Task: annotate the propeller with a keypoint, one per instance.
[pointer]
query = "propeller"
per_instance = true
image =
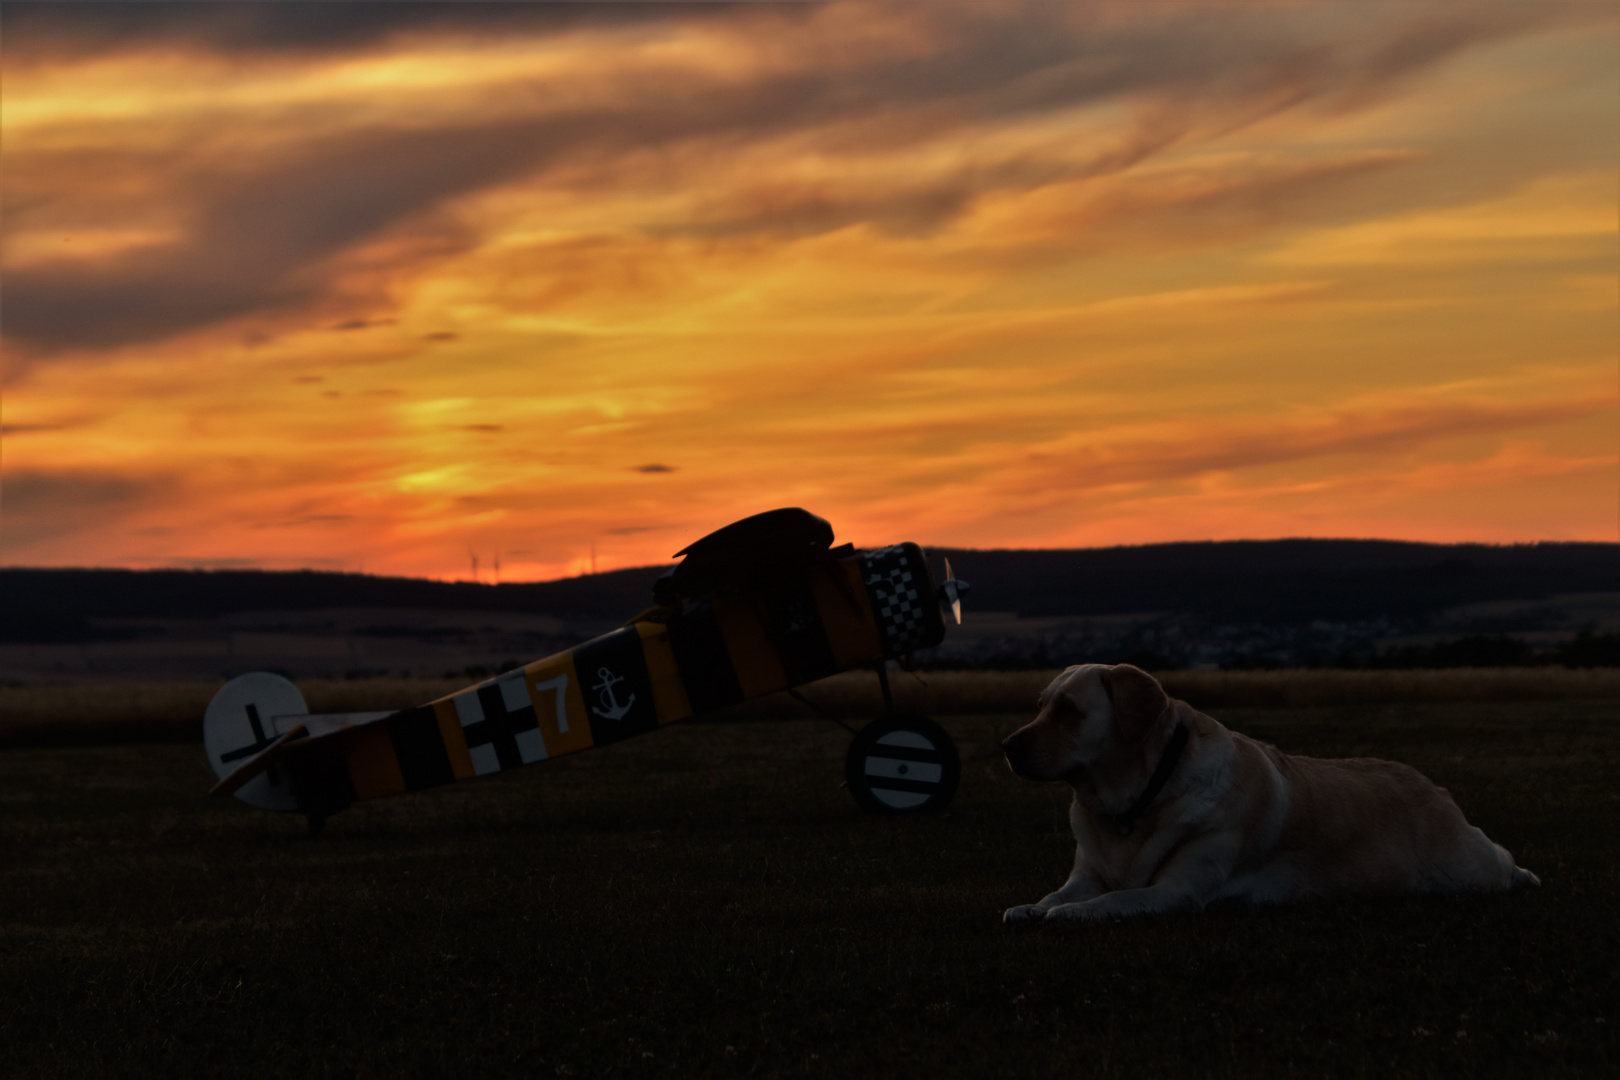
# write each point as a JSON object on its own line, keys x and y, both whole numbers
{"x": 952, "y": 592}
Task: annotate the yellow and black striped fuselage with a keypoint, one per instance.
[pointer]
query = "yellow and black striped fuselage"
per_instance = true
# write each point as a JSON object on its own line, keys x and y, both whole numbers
{"x": 665, "y": 666}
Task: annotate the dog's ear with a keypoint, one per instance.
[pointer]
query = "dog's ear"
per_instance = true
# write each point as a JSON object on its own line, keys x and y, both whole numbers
{"x": 1137, "y": 697}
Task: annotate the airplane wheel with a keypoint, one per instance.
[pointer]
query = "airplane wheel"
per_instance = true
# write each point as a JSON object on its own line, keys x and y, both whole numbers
{"x": 902, "y": 764}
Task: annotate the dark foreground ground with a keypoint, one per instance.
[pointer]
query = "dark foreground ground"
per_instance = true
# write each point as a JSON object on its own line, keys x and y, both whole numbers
{"x": 706, "y": 901}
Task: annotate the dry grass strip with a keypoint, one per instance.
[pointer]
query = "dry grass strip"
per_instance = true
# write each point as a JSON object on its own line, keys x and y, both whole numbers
{"x": 98, "y": 712}
{"x": 943, "y": 693}
{"x": 172, "y": 711}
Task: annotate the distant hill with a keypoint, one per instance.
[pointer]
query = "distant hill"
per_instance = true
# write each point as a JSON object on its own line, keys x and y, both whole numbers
{"x": 1282, "y": 580}
{"x": 1270, "y": 581}
{"x": 60, "y": 605}
{"x": 1291, "y": 603}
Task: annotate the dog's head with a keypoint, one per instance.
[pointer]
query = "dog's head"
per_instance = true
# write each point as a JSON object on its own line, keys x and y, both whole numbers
{"x": 1088, "y": 713}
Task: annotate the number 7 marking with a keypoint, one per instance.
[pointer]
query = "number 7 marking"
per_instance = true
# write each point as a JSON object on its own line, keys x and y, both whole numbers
{"x": 560, "y": 685}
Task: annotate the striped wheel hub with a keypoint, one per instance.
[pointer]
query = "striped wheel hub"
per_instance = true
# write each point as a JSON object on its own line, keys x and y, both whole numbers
{"x": 902, "y": 765}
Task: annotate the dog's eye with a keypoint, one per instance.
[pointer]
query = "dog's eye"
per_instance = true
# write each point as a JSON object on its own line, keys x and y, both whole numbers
{"x": 1067, "y": 713}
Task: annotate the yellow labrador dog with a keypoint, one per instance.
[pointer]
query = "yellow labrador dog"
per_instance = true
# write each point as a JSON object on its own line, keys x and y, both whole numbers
{"x": 1172, "y": 811}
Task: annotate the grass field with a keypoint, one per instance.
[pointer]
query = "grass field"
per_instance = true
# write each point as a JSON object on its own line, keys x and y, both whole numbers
{"x": 706, "y": 901}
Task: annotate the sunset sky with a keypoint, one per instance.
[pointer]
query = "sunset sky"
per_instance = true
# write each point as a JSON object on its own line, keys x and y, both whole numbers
{"x": 377, "y": 287}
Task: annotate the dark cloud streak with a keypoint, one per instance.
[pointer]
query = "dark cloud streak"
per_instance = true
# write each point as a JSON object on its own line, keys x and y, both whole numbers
{"x": 40, "y": 504}
{"x": 256, "y": 242}
{"x": 1220, "y": 448}
{"x": 269, "y": 240}
{"x": 58, "y": 31}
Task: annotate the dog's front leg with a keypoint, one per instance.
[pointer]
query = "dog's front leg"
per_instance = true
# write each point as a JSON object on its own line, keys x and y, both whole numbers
{"x": 1082, "y": 885}
{"x": 1153, "y": 900}
{"x": 1187, "y": 883}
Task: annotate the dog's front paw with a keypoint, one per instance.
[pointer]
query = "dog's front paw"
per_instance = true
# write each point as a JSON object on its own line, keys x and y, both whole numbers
{"x": 1023, "y": 913}
{"x": 1068, "y": 911}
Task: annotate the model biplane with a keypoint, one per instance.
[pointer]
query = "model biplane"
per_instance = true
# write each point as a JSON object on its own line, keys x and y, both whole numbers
{"x": 765, "y": 604}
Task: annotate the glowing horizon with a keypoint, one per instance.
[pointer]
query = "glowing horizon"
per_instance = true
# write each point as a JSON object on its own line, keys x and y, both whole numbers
{"x": 375, "y": 290}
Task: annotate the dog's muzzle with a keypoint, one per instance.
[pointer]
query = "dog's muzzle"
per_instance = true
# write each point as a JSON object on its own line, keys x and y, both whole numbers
{"x": 1023, "y": 752}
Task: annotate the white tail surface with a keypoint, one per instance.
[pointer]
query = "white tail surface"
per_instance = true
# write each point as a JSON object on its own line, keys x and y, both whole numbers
{"x": 246, "y": 715}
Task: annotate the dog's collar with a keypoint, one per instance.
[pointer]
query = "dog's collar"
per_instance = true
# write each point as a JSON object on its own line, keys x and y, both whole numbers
{"x": 1125, "y": 822}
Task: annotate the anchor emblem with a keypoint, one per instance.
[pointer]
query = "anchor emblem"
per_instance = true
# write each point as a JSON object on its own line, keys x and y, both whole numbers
{"x": 608, "y": 695}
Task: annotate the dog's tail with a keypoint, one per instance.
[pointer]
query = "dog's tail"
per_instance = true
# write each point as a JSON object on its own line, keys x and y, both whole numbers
{"x": 1523, "y": 879}
{"x": 1517, "y": 876}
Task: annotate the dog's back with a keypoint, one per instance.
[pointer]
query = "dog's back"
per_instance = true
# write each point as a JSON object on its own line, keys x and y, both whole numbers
{"x": 1364, "y": 825}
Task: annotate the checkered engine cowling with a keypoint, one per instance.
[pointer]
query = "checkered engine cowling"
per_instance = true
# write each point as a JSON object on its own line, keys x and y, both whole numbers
{"x": 903, "y": 596}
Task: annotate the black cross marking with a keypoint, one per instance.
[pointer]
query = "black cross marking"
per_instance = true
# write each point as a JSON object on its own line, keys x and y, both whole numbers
{"x": 500, "y": 728}
{"x": 259, "y": 739}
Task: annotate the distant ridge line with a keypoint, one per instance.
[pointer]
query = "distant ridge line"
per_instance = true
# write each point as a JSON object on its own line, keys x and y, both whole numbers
{"x": 1286, "y": 580}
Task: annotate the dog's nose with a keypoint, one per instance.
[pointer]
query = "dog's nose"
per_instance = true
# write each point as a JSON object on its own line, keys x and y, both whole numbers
{"x": 1013, "y": 747}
